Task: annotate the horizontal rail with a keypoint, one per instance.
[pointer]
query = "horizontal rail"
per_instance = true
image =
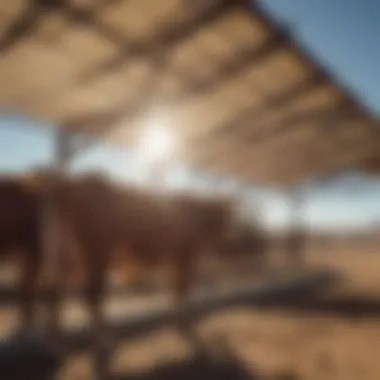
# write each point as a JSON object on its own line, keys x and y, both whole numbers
{"x": 158, "y": 316}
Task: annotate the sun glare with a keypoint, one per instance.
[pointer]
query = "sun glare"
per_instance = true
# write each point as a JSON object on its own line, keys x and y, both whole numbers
{"x": 157, "y": 144}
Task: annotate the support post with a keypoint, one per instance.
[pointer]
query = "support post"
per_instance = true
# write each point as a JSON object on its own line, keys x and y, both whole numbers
{"x": 297, "y": 235}
{"x": 158, "y": 170}
{"x": 63, "y": 148}
{"x": 157, "y": 174}
{"x": 51, "y": 230}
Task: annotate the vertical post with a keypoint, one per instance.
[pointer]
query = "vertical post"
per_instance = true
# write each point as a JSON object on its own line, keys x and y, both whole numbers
{"x": 297, "y": 239}
{"x": 51, "y": 232}
{"x": 156, "y": 174}
{"x": 63, "y": 148}
{"x": 240, "y": 194}
{"x": 60, "y": 161}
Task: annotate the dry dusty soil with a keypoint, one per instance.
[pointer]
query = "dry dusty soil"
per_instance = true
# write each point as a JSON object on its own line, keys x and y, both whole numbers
{"x": 277, "y": 344}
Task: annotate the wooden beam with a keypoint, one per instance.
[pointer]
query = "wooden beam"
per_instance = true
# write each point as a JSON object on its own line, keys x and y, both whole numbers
{"x": 346, "y": 160}
{"x": 250, "y": 114}
{"x": 30, "y": 18}
{"x": 104, "y": 122}
{"x": 247, "y": 59}
{"x": 164, "y": 40}
{"x": 271, "y": 169}
{"x": 195, "y": 87}
{"x": 266, "y": 136}
{"x": 336, "y": 142}
{"x": 192, "y": 88}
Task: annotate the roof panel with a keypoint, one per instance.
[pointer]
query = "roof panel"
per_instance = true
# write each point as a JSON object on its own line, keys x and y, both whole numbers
{"x": 279, "y": 70}
{"x": 236, "y": 90}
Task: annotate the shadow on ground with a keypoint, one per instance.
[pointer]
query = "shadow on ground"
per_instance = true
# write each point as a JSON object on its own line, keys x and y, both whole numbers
{"x": 28, "y": 357}
{"x": 347, "y": 306}
{"x": 135, "y": 325}
{"x": 194, "y": 368}
{"x": 217, "y": 362}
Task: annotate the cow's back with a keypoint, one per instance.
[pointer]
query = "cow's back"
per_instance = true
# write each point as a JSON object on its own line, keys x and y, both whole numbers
{"x": 18, "y": 214}
{"x": 99, "y": 209}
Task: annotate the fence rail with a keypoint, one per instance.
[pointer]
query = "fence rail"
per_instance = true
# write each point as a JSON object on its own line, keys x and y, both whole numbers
{"x": 157, "y": 316}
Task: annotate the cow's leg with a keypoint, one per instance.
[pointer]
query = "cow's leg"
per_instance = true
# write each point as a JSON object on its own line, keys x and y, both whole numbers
{"x": 29, "y": 273}
{"x": 55, "y": 285}
{"x": 53, "y": 302}
{"x": 183, "y": 271}
{"x": 182, "y": 274}
{"x": 95, "y": 295}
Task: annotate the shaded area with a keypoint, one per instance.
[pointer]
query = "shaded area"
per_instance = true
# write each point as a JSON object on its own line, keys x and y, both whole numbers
{"x": 228, "y": 367}
{"x": 351, "y": 307}
{"x": 218, "y": 362}
{"x": 26, "y": 357}
{"x": 301, "y": 294}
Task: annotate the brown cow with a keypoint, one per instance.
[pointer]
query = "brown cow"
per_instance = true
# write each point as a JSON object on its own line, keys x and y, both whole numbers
{"x": 249, "y": 238}
{"x": 151, "y": 228}
{"x": 170, "y": 230}
{"x": 295, "y": 244}
{"x": 19, "y": 224}
{"x": 21, "y": 202}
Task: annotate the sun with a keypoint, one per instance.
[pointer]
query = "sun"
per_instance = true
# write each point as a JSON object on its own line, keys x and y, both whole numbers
{"x": 156, "y": 144}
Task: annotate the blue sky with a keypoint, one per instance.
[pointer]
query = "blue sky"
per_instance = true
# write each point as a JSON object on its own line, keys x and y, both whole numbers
{"x": 340, "y": 34}
{"x": 343, "y": 34}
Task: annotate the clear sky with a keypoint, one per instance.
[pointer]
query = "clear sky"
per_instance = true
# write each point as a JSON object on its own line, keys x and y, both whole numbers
{"x": 342, "y": 34}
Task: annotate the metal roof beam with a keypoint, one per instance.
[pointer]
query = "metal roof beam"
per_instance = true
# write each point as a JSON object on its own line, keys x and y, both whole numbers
{"x": 165, "y": 39}
{"x": 246, "y": 59}
{"x": 272, "y": 163}
{"x": 250, "y": 113}
{"x": 262, "y": 135}
{"x": 35, "y": 11}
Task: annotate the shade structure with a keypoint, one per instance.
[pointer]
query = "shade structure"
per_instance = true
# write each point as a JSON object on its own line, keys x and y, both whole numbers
{"x": 237, "y": 93}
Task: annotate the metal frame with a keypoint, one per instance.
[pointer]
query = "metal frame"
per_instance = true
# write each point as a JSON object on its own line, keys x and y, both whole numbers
{"x": 158, "y": 48}
{"x": 297, "y": 251}
{"x": 51, "y": 226}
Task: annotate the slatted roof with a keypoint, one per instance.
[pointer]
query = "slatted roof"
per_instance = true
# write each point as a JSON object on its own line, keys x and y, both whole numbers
{"x": 234, "y": 89}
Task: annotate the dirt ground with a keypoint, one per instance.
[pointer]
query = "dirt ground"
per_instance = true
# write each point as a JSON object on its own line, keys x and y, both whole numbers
{"x": 279, "y": 345}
